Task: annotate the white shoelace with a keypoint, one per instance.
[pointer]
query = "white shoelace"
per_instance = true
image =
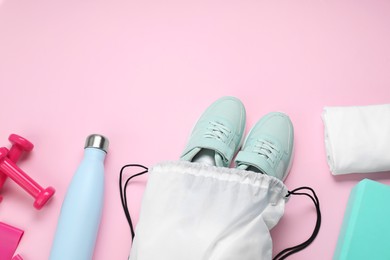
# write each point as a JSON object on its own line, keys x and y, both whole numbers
{"x": 267, "y": 149}
{"x": 217, "y": 130}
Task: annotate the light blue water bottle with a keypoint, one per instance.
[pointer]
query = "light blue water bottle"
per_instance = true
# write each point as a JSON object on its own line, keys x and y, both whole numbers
{"x": 81, "y": 210}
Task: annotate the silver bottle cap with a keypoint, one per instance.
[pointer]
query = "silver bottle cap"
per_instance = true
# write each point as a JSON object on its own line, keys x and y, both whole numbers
{"x": 97, "y": 141}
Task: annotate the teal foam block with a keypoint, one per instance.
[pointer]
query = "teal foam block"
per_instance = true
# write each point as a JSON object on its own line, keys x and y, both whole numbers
{"x": 365, "y": 232}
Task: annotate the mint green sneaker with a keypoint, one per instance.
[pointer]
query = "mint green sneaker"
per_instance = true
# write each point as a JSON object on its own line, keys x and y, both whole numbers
{"x": 218, "y": 133}
{"x": 269, "y": 146}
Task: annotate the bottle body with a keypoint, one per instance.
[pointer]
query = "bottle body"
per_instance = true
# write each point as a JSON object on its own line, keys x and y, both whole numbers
{"x": 80, "y": 216}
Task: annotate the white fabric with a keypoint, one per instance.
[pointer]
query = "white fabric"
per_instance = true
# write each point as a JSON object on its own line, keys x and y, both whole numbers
{"x": 357, "y": 139}
{"x": 193, "y": 212}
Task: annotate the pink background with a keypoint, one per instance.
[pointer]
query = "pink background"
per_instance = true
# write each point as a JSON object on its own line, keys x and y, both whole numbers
{"x": 142, "y": 72}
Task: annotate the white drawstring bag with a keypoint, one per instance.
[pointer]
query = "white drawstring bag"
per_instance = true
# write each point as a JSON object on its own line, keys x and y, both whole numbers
{"x": 192, "y": 212}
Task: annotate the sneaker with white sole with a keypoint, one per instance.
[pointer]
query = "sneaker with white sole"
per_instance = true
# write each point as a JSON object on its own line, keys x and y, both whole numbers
{"x": 269, "y": 146}
{"x": 217, "y": 134}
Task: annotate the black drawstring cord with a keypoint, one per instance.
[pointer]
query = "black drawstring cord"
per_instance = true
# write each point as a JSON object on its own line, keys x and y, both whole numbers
{"x": 122, "y": 190}
{"x": 292, "y": 250}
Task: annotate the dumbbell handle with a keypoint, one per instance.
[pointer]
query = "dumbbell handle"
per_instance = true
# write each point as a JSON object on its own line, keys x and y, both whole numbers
{"x": 10, "y": 169}
{"x": 14, "y": 154}
{"x": 20, "y": 177}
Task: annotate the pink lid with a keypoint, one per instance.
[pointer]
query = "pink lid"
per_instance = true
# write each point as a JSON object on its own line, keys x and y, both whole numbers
{"x": 10, "y": 238}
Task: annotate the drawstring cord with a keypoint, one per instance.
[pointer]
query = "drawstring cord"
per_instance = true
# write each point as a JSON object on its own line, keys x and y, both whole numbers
{"x": 292, "y": 250}
{"x": 282, "y": 255}
{"x": 122, "y": 189}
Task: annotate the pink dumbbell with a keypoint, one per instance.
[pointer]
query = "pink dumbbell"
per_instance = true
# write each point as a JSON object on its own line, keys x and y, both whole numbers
{"x": 9, "y": 168}
{"x": 19, "y": 145}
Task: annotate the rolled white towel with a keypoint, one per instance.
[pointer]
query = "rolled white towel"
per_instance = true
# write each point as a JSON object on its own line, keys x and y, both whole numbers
{"x": 357, "y": 138}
